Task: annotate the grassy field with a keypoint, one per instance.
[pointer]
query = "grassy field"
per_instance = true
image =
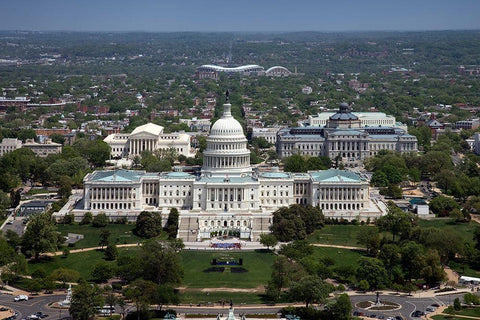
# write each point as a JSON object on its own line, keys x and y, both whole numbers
{"x": 195, "y": 263}
{"x": 342, "y": 235}
{"x": 342, "y": 257}
{"x": 83, "y": 262}
{"x": 119, "y": 234}
{"x": 470, "y": 312}
{"x": 464, "y": 269}
{"x": 464, "y": 229}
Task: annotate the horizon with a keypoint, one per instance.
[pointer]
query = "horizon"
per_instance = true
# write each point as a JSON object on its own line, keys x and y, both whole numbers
{"x": 246, "y": 16}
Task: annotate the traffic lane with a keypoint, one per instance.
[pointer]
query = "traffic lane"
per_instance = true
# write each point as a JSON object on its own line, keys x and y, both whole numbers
{"x": 17, "y": 226}
{"x": 37, "y": 304}
{"x": 404, "y": 311}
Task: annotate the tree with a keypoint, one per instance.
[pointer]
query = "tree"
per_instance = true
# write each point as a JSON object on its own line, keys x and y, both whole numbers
{"x": 142, "y": 293}
{"x": 342, "y": 308}
{"x": 442, "y": 205}
{"x": 413, "y": 259}
{"x": 457, "y": 305}
{"x": 363, "y": 285}
{"x": 96, "y": 151}
{"x": 433, "y": 272}
{"x": 471, "y": 298}
{"x": 390, "y": 255}
{"x": 310, "y": 289}
{"x": 370, "y": 238}
{"x": 285, "y": 272}
{"x": 166, "y": 295}
{"x": 160, "y": 263}
{"x": 318, "y": 163}
{"x": 457, "y": 215}
{"x": 295, "y": 222}
{"x": 100, "y": 220}
{"x": 149, "y": 224}
{"x": 296, "y": 250}
{"x": 65, "y": 275}
{"x": 172, "y": 223}
{"x": 40, "y": 236}
{"x": 129, "y": 268}
{"x": 268, "y": 240}
{"x": 104, "y": 235}
{"x": 373, "y": 271}
{"x": 111, "y": 252}
{"x": 295, "y": 163}
{"x": 87, "y": 218}
{"x": 396, "y": 221}
{"x": 65, "y": 186}
{"x": 86, "y": 299}
{"x": 102, "y": 272}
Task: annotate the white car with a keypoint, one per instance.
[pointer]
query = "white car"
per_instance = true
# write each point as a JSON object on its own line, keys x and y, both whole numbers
{"x": 21, "y": 297}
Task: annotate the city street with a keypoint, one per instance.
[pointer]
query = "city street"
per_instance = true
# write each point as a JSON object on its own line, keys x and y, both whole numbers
{"x": 35, "y": 304}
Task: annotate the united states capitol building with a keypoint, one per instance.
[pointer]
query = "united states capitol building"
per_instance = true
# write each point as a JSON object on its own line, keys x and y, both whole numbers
{"x": 228, "y": 194}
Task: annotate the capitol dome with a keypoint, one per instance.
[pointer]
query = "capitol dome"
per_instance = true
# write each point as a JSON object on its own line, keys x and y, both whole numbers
{"x": 226, "y": 153}
{"x": 227, "y": 125}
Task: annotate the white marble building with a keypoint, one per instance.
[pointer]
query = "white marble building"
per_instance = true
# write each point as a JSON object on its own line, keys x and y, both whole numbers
{"x": 148, "y": 137}
{"x": 227, "y": 195}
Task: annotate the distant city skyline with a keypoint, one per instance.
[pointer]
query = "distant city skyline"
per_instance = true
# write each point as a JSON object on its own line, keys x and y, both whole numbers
{"x": 244, "y": 15}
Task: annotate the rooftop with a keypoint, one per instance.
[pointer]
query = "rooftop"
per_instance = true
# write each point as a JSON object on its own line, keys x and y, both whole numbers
{"x": 334, "y": 175}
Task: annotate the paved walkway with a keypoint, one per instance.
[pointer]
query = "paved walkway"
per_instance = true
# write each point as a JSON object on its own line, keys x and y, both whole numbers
{"x": 337, "y": 246}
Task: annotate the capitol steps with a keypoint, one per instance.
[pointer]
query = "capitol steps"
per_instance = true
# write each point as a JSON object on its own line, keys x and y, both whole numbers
{"x": 185, "y": 227}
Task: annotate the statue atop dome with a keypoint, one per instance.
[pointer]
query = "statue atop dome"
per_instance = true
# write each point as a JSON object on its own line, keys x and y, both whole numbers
{"x": 227, "y": 94}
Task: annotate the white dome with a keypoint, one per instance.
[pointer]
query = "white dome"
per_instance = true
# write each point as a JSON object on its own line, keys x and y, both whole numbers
{"x": 226, "y": 153}
{"x": 226, "y": 125}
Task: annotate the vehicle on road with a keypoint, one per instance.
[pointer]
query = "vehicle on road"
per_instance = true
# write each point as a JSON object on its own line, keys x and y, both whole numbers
{"x": 418, "y": 314}
{"x": 10, "y": 222}
{"x": 20, "y": 297}
{"x": 40, "y": 314}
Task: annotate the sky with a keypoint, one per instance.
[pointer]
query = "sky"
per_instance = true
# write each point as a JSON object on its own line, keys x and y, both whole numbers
{"x": 239, "y": 15}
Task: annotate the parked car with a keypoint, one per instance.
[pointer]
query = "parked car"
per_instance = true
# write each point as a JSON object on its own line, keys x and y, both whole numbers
{"x": 20, "y": 297}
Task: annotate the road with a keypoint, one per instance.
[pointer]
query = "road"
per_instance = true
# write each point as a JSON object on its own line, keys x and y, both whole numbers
{"x": 408, "y": 303}
{"x": 17, "y": 225}
{"x": 35, "y": 304}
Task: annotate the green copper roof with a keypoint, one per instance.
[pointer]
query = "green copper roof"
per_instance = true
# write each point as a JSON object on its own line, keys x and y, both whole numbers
{"x": 274, "y": 175}
{"x": 178, "y": 175}
{"x": 334, "y": 175}
{"x": 117, "y": 175}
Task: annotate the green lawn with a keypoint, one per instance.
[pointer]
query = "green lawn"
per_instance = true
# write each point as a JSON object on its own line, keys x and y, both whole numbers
{"x": 119, "y": 234}
{"x": 343, "y": 235}
{"x": 83, "y": 262}
{"x": 463, "y": 269}
{"x": 195, "y": 263}
{"x": 471, "y": 312}
{"x": 464, "y": 229}
{"x": 342, "y": 257}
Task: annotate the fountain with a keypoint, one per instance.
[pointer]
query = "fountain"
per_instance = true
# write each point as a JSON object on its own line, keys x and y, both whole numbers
{"x": 68, "y": 298}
